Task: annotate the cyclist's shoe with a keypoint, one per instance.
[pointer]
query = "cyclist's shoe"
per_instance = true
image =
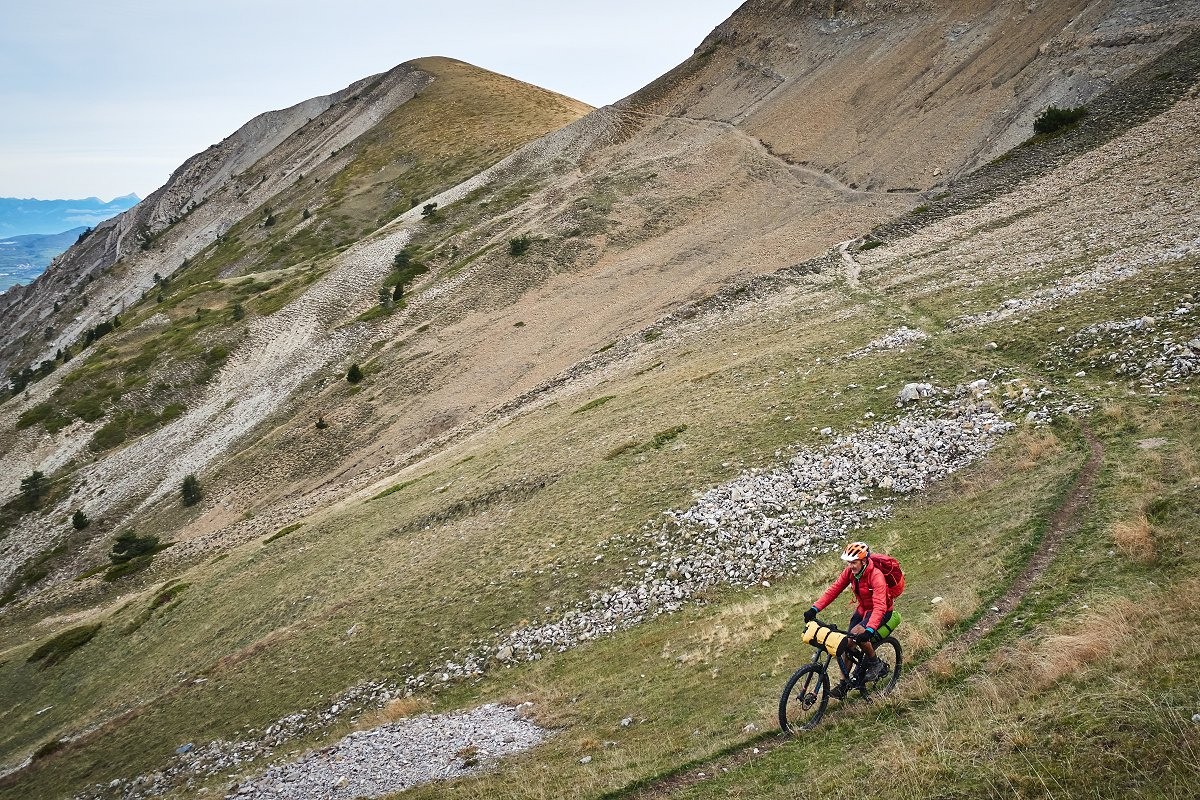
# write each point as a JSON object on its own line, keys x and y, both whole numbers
{"x": 838, "y": 692}
{"x": 874, "y": 669}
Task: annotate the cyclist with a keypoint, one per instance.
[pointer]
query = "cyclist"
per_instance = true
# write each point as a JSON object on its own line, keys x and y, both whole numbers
{"x": 873, "y": 609}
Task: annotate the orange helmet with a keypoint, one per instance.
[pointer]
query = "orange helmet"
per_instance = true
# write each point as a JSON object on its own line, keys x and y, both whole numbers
{"x": 856, "y": 550}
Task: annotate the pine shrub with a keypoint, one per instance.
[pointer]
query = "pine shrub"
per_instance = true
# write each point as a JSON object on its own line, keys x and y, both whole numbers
{"x": 519, "y": 245}
{"x": 1055, "y": 119}
{"x": 190, "y": 490}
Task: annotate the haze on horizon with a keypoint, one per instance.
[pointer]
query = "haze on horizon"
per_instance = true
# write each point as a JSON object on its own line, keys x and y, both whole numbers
{"x": 108, "y": 99}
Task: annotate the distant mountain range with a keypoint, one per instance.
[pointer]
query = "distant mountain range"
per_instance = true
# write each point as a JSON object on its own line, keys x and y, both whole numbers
{"x": 19, "y": 216}
{"x": 23, "y": 258}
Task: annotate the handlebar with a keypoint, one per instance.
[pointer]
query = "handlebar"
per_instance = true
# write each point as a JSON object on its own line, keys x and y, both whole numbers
{"x": 851, "y": 642}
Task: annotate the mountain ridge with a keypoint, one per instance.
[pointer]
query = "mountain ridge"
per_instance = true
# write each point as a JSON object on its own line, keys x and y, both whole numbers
{"x": 664, "y": 298}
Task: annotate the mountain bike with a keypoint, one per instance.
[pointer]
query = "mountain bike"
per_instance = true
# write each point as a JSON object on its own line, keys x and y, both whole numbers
{"x": 807, "y": 692}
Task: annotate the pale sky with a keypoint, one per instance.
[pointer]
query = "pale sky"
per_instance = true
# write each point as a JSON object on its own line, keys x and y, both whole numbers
{"x": 108, "y": 97}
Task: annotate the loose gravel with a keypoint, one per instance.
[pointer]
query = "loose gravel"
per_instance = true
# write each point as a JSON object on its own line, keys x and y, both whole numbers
{"x": 900, "y": 338}
{"x": 400, "y": 755}
{"x": 1151, "y": 352}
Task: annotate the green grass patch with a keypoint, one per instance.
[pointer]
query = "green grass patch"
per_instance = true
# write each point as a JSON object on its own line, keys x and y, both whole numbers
{"x": 599, "y": 401}
{"x": 63, "y": 645}
{"x": 45, "y": 414}
{"x": 398, "y": 487}
{"x": 657, "y": 442}
{"x": 284, "y": 531}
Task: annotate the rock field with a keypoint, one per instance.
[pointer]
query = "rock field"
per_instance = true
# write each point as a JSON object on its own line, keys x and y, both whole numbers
{"x": 394, "y": 757}
{"x": 1151, "y": 351}
{"x": 389, "y": 758}
{"x": 768, "y": 522}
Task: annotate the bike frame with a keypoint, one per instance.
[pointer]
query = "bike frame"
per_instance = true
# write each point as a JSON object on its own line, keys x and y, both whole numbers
{"x": 808, "y": 690}
{"x": 847, "y": 662}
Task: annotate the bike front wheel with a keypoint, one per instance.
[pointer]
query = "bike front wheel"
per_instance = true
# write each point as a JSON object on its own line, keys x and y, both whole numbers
{"x": 804, "y": 699}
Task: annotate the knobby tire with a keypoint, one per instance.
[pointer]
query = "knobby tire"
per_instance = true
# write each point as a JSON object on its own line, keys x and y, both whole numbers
{"x": 888, "y": 650}
{"x": 804, "y": 699}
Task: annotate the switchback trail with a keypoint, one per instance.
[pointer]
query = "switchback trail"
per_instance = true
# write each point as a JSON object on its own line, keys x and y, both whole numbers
{"x": 806, "y": 174}
{"x": 1064, "y": 521}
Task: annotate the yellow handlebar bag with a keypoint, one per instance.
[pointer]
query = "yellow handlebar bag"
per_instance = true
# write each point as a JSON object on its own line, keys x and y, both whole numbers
{"x": 832, "y": 640}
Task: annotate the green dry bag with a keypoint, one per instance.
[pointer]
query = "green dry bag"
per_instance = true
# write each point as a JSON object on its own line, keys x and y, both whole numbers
{"x": 889, "y": 625}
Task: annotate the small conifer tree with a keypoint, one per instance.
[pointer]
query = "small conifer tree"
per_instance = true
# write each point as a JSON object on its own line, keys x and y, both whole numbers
{"x": 519, "y": 245}
{"x": 354, "y": 374}
{"x": 1054, "y": 119}
{"x": 33, "y": 488}
{"x": 190, "y": 491}
{"x": 128, "y": 546}
{"x": 79, "y": 520}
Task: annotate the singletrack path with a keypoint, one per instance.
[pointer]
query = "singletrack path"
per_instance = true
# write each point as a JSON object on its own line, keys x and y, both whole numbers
{"x": 1064, "y": 521}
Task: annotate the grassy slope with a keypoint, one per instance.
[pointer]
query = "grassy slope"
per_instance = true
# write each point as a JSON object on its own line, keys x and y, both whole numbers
{"x": 267, "y": 626}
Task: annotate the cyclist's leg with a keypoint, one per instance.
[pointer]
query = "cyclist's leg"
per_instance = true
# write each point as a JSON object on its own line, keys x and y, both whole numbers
{"x": 874, "y": 667}
{"x": 838, "y": 692}
{"x": 856, "y": 621}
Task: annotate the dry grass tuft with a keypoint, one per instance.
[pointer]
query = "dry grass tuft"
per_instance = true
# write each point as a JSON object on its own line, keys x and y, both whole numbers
{"x": 947, "y": 614}
{"x": 1096, "y": 636}
{"x": 942, "y": 665}
{"x": 918, "y": 639}
{"x": 1135, "y": 538}
{"x": 912, "y": 686}
{"x": 1037, "y": 446}
{"x": 587, "y": 744}
{"x": 396, "y": 710}
{"x": 1113, "y": 411}
{"x": 734, "y": 629}
{"x": 549, "y": 704}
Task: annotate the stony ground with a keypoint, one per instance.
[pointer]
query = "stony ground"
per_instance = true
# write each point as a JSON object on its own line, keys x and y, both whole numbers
{"x": 760, "y": 525}
{"x": 366, "y": 764}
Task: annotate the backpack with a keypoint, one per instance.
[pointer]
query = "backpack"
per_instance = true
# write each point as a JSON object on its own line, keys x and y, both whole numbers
{"x": 892, "y": 574}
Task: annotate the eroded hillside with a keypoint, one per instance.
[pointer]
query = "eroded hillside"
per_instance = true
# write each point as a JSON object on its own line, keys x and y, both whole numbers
{"x": 703, "y": 301}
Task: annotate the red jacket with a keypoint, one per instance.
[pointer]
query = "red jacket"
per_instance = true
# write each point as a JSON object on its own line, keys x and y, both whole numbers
{"x": 872, "y": 585}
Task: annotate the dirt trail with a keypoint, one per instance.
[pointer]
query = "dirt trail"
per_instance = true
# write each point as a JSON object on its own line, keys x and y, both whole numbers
{"x": 1064, "y": 520}
{"x": 853, "y": 268}
{"x": 806, "y": 174}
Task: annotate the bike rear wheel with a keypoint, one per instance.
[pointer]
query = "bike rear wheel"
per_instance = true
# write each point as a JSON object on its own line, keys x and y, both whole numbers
{"x": 804, "y": 699}
{"x": 888, "y": 651}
